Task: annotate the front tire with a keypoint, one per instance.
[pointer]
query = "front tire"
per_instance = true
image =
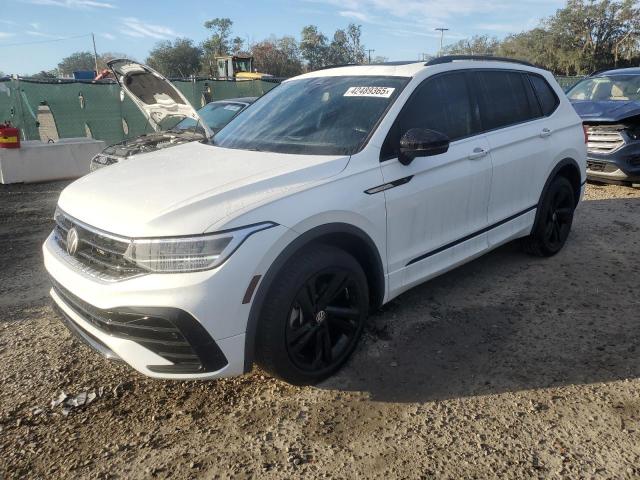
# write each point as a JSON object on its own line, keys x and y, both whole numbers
{"x": 555, "y": 217}
{"x": 313, "y": 316}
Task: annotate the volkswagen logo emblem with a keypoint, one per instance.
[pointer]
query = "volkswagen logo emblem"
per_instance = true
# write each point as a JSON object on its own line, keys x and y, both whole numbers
{"x": 72, "y": 241}
{"x": 321, "y": 316}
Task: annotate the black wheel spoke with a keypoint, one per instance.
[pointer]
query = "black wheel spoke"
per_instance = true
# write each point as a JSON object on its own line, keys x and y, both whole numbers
{"x": 564, "y": 214}
{"x": 299, "y": 333}
{"x": 335, "y": 286}
{"x": 344, "y": 325}
{"x": 317, "y": 359}
{"x": 348, "y": 312}
{"x": 306, "y": 301}
{"x": 326, "y": 345}
{"x": 297, "y": 347}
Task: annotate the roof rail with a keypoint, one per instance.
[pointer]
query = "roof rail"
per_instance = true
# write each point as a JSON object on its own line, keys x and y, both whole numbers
{"x": 392, "y": 63}
{"x": 339, "y": 65}
{"x": 451, "y": 58}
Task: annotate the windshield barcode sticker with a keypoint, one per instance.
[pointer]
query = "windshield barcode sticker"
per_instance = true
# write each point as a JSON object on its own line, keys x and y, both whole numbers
{"x": 379, "y": 92}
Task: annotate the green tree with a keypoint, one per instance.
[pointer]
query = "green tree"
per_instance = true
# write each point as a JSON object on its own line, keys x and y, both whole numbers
{"x": 313, "y": 47}
{"x": 218, "y": 43}
{"x": 178, "y": 59}
{"x": 278, "y": 56}
{"x": 43, "y": 74}
{"x": 476, "y": 45}
{"x": 76, "y": 61}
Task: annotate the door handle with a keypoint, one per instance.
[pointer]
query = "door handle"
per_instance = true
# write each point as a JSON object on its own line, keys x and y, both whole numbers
{"x": 545, "y": 133}
{"x": 478, "y": 153}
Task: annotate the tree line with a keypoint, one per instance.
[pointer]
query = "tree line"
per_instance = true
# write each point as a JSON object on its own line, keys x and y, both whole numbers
{"x": 583, "y": 37}
{"x": 279, "y": 56}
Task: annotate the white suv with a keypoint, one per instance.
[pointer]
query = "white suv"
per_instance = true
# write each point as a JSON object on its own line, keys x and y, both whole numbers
{"x": 328, "y": 197}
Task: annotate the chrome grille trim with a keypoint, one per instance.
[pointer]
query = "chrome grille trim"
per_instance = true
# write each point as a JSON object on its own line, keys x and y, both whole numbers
{"x": 100, "y": 254}
{"x": 604, "y": 139}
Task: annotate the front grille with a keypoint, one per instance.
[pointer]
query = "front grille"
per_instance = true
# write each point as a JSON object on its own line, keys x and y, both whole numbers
{"x": 99, "y": 254}
{"x": 604, "y": 139}
{"x": 155, "y": 333}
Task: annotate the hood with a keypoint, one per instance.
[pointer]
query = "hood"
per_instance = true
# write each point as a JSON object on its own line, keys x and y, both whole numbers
{"x": 187, "y": 189}
{"x": 157, "y": 98}
{"x": 606, "y": 111}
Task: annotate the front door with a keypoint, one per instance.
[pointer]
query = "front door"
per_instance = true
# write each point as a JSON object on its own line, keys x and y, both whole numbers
{"x": 437, "y": 213}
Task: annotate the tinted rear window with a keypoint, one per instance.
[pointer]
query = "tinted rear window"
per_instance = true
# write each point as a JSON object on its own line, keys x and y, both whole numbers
{"x": 504, "y": 99}
{"x": 548, "y": 99}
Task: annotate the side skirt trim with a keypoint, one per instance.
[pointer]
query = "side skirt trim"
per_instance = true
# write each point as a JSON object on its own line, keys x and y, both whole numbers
{"x": 469, "y": 237}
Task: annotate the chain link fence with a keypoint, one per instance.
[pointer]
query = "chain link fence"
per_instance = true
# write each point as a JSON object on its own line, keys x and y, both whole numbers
{"x": 71, "y": 108}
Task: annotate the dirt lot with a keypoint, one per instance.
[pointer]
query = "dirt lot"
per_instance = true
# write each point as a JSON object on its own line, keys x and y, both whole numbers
{"x": 510, "y": 367}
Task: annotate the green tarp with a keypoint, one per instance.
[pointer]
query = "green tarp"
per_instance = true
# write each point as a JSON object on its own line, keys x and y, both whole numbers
{"x": 82, "y": 108}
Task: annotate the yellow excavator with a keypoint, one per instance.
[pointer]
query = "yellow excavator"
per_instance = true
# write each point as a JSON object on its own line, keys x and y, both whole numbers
{"x": 239, "y": 67}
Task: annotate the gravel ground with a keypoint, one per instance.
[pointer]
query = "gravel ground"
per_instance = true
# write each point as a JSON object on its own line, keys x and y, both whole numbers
{"x": 509, "y": 367}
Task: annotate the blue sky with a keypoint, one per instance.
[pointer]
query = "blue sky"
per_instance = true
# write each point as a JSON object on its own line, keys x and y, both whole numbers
{"x": 397, "y": 29}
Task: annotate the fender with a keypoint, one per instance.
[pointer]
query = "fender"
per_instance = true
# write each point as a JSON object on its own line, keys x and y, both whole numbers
{"x": 287, "y": 253}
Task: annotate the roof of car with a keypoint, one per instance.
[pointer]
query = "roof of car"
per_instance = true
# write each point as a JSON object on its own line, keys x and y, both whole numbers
{"x": 618, "y": 71}
{"x": 412, "y": 68}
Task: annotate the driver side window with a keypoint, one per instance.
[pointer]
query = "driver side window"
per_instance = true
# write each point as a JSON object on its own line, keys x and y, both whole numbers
{"x": 442, "y": 103}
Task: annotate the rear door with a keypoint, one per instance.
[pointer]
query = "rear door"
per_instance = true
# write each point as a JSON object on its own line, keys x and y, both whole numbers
{"x": 437, "y": 210}
{"x": 518, "y": 137}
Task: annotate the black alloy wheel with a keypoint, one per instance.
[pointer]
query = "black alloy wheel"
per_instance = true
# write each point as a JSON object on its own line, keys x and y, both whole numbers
{"x": 325, "y": 321}
{"x": 554, "y": 220}
{"x": 313, "y": 315}
{"x": 559, "y": 217}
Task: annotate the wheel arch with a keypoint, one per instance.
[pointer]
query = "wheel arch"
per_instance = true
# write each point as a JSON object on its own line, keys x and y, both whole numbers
{"x": 568, "y": 168}
{"x": 342, "y": 235}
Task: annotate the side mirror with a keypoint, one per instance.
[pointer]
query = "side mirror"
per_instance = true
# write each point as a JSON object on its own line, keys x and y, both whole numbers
{"x": 422, "y": 142}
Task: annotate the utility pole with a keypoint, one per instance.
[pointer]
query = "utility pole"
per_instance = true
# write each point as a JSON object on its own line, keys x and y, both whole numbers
{"x": 369, "y": 52}
{"x": 441, "y": 30}
{"x": 95, "y": 52}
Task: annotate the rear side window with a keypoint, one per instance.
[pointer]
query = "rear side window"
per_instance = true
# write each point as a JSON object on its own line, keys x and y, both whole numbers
{"x": 504, "y": 98}
{"x": 548, "y": 98}
{"x": 442, "y": 103}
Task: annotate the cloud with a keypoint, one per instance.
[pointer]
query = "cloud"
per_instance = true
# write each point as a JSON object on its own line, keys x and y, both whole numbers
{"x": 36, "y": 33}
{"x": 108, "y": 36}
{"x": 73, "y": 4}
{"x": 134, "y": 27}
{"x": 430, "y": 13}
{"x": 6, "y": 34}
{"x": 363, "y": 17}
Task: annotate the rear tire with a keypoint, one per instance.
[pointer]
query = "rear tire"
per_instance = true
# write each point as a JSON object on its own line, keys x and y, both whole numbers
{"x": 313, "y": 316}
{"x": 554, "y": 220}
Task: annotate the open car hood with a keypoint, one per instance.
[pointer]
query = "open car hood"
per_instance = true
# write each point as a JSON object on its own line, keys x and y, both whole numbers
{"x": 156, "y": 97}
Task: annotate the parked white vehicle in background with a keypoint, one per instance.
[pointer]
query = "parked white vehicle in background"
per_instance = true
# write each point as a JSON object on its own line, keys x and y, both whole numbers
{"x": 328, "y": 197}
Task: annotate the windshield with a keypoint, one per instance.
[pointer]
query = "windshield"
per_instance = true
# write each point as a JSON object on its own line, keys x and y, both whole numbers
{"x": 216, "y": 115}
{"x": 313, "y": 116}
{"x": 615, "y": 87}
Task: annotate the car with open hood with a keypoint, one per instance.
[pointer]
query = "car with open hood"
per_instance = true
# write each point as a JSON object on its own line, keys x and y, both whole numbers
{"x": 169, "y": 114}
{"x": 330, "y": 196}
{"x": 609, "y": 104}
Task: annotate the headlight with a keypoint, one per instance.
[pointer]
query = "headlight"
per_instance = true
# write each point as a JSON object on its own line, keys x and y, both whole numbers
{"x": 189, "y": 254}
{"x": 100, "y": 161}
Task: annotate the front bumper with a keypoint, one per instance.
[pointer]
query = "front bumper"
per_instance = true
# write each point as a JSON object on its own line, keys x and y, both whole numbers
{"x": 621, "y": 166}
{"x": 213, "y": 300}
